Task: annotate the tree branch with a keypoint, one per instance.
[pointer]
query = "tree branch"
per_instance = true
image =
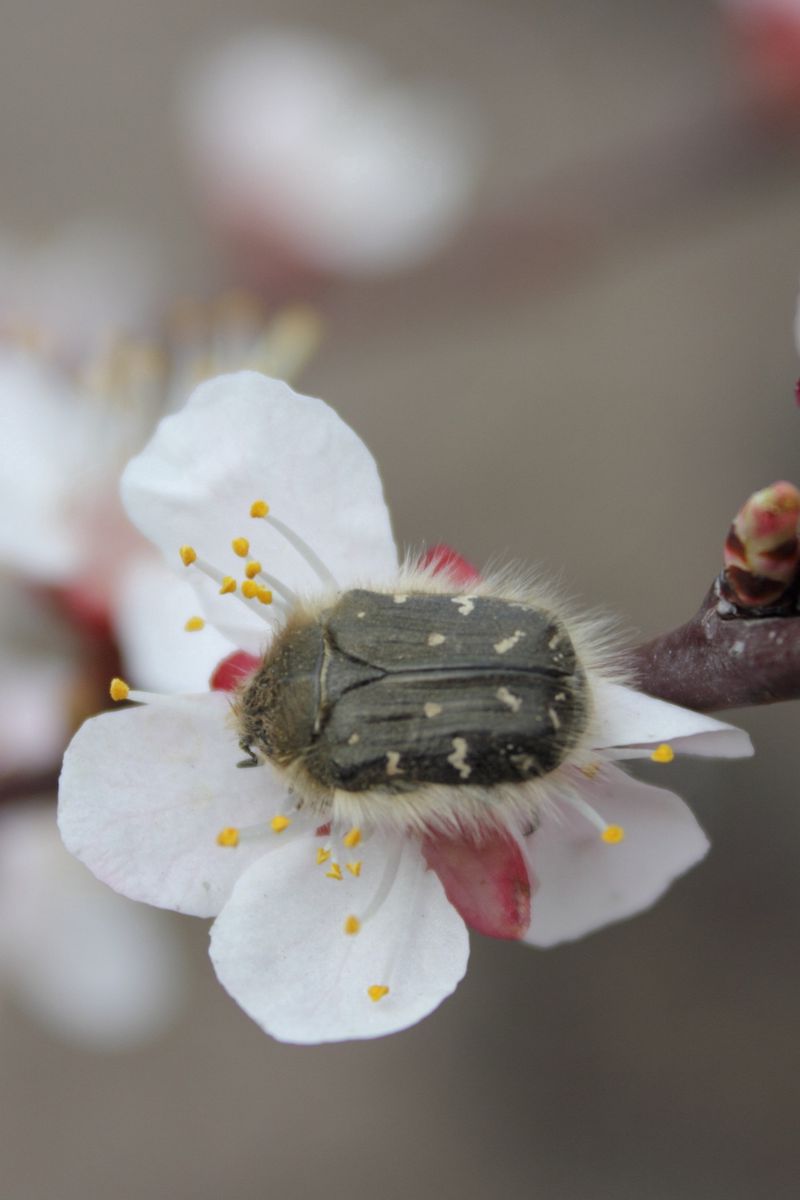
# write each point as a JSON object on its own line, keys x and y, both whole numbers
{"x": 725, "y": 657}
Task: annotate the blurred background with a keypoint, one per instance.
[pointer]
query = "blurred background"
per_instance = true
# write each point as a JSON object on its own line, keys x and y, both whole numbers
{"x": 567, "y": 340}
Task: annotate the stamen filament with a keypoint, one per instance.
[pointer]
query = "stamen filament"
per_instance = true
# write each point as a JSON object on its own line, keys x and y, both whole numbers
{"x": 611, "y": 834}
{"x": 261, "y": 510}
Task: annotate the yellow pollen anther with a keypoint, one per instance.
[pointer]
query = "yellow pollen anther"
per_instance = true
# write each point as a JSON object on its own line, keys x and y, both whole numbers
{"x": 355, "y": 868}
{"x": 252, "y": 569}
{"x": 228, "y": 836}
{"x": 188, "y": 555}
{"x": 663, "y": 754}
{"x": 264, "y": 595}
{"x": 280, "y": 823}
{"x": 377, "y": 992}
{"x": 335, "y": 872}
{"x": 322, "y": 856}
{"x": 194, "y": 624}
{"x": 259, "y": 508}
{"x": 118, "y": 689}
{"x": 240, "y": 546}
{"x": 249, "y": 589}
{"x": 352, "y": 925}
{"x": 352, "y": 838}
{"x": 228, "y": 585}
{"x": 613, "y": 834}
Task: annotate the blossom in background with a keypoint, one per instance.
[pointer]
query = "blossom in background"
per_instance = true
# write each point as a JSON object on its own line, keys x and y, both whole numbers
{"x": 94, "y": 968}
{"x": 73, "y": 294}
{"x": 310, "y": 159}
{"x": 766, "y": 37}
{"x": 79, "y": 393}
{"x": 327, "y": 927}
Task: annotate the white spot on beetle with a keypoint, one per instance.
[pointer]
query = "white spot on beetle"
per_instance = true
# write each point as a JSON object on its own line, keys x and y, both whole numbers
{"x": 554, "y": 720}
{"x": 560, "y": 696}
{"x": 459, "y": 757}
{"x": 554, "y": 640}
{"x": 392, "y": 763}
{"x": 465, "y": 604}
{"x": 509, "y": 643}
{"x": 361, "y": 615}
{"x": 436, "y": 639}
{"x": 432, "y": 710}
{"x": 509, "y": 699}
{"x": 737, "y": 648}
{"x": 351, "y": 741}
{"x": 400, "y": 598}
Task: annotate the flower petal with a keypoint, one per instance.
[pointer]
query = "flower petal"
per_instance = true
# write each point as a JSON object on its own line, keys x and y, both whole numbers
{"x": 145, "y": 791}
{"x": 485, "y": 880}
{"x": 242, "y": 438}
{"x": 629, "y": 718}
{"x": 585, "y": 883}
{"x": 93, "y": 967}
{"x": 151, "y": 607}
{"x": 280, "y": 949}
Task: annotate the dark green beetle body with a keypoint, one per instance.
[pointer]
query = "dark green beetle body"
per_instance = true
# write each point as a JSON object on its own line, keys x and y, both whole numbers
{"x": 392, "y": 692}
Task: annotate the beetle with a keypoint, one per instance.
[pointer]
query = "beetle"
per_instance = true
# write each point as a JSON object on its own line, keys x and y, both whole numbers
{"x": 386, "y": 693}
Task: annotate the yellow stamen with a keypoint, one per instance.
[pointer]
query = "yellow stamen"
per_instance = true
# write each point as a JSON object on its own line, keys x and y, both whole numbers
{"x": 590, "y": 771}
{"x": 228, "y": 585}
{"x": 322, "y": 856}
{"x": 335, "y": 872}
{"x": 264, "y": 595}
{"x": 228, "y": 836}
{"x": 259, "y": 508}
{"x": 240, "y": 546}
{"x": 377, "y": 992}
{"x": 352, "y": 925}
{"x": 280, "y": 823}
{"x": 252, "y": 569}
{"x": 188, "y": 555}
{"x": 118, "y": 689}
{"x": 354, "y": 868}
{"x": 194, "y": 624}
{"x": 613, "y": 834}
{"x": 249, "y": 589}
{"x": 352, "y": 838}
{"x": 663, "y": 754}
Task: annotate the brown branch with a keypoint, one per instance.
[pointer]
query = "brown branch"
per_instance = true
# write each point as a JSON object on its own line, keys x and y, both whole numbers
{"x": 725, "y": 657}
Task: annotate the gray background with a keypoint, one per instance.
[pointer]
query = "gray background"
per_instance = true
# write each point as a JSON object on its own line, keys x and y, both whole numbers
{"x": 605, "y": 421}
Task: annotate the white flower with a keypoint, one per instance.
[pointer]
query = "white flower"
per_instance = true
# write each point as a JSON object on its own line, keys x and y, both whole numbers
{"x": 94, "y": 968}
{"x": 329, "y": 922}
{"x": 72, "y": 294}
{"x": 301, "y": 144}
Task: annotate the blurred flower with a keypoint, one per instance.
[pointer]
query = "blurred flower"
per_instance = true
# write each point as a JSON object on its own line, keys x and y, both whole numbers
{"x": 310, "y": 159}
{"x": 94, "y": 968}
{"x": 73, "y": 293}
{"x": 766, "y": 35}
{"x": 329, "y": 924}
{"x": 79, "y": 587}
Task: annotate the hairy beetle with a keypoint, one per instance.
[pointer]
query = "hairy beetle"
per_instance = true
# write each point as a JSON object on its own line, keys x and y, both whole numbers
{"x": 387, "y": 693}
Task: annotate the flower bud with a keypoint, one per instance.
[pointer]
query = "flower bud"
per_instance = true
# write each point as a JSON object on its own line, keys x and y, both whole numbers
{"x": 761, "y": 550}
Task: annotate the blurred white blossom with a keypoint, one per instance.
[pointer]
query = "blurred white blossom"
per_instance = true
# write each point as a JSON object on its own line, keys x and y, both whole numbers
{"x": 94, "y": 968}
{"x": 303, "y": 146}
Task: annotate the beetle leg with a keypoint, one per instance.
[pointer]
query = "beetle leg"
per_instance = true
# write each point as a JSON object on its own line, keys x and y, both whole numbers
{"x": 251, "y": 760}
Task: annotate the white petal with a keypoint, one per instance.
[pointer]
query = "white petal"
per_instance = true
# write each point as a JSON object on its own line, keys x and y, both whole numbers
{"x": 280, "y": 949}
{"x": 629, "y": 718}
{"x": 151, "y": 607}
{"x": 242, "y": 438}
{"x": 145, "y": 791}
{"x": 95, "y": 968}
{"x": 585, "y": 883}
